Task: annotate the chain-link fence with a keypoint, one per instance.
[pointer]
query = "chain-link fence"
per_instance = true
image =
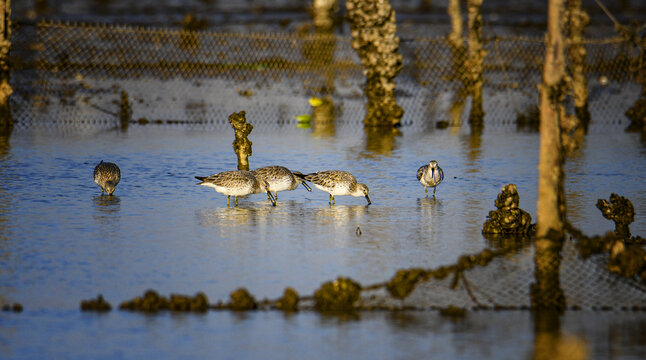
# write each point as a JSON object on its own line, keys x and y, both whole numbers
{"x": 82, "y": 76}
{"x": 76, "y": 74}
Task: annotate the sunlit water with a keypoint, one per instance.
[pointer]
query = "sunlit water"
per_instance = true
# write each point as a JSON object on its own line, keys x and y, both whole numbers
{"x": 62, "y": 242}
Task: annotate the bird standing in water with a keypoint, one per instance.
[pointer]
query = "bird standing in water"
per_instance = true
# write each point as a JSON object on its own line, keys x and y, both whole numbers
{"x": 107, "y": 175}
{"x": 430, "y": 175}
{"x": 236, "y": 183}
{"x": 338, "y": 182}
{"x": 280, "y": 178}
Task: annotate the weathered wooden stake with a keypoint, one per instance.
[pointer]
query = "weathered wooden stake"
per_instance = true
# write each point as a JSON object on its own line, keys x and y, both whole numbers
{"x": 546, "y": 292}
{"x": 5, "y": 46}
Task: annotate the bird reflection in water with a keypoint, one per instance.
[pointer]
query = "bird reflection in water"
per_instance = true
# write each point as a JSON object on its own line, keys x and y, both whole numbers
{"x": 340, "y": 215}
{"x": 107, "y": 204}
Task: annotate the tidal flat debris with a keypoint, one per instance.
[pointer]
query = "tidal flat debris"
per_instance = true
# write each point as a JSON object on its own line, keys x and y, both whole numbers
{"x": 242, "y": 300}
{"x": 99, "y": 304}
{"x": 338, "y": 295}
{"x": 289, "y": 301}
{"x": 16, "y": 307}
{"x": 151, "y": 301}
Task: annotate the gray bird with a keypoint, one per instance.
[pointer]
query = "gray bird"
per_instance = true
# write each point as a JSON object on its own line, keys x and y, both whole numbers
{"x": 430, "y": 175}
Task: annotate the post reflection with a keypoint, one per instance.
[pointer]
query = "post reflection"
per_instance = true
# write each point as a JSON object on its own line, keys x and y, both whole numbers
{"x": 323, "y": 119}
{"x": 380, "y": 140}
{"x": 6, "y": 200}
{"x": 549, "y": 341}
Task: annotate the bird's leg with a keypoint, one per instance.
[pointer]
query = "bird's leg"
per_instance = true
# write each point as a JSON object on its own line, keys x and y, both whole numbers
{"x": 426, "y": 189}
{"x": 236, "y": 200}
{"x": 330, "y": 201}
{"x": 434, "y": 188}
{"x": 276, "y": 195}
{"x": 271, "y": 198}
{"x": 228, "y": 197}
{"x": 102, "y": 192}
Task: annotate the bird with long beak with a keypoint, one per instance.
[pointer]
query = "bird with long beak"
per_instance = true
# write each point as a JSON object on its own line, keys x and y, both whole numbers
{"x": 338, "y": 182}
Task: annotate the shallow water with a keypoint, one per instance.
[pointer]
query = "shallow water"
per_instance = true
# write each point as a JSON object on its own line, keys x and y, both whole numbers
{"x": 63, "y": 242}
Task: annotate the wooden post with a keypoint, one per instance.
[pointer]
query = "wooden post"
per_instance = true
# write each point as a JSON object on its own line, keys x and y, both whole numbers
{"x": 475, "y": 64}
{"x": 5, "y": 46}
{"x": 546, "y": 292}
{"x": 455, "y": 37}
{"x": 577, "y": 20}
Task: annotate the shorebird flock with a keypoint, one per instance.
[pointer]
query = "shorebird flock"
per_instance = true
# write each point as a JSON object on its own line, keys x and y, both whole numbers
{"x": 273, "y": 179}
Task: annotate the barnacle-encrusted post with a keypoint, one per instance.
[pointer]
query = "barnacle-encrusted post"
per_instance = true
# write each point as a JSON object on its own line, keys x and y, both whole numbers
{"x": 577, "y": 19}
{"x": 509, "y": 218}
{"x": 373, "y": 37}
{"x": 5, "y": 46}
{"x": 546, "y": 291}
{"x": 619, "y": 210}
{"x": 241, "y": 144}
{"x": 475, "y": 64}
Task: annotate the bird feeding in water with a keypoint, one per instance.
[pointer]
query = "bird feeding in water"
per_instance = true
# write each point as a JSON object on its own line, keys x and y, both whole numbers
{"x": 107, "y": 175}
{"x": 430, "y": 175}
{"x": 236, "y": 183}
{"x": 280, "y": 178}
{"x": 338, "y": 182}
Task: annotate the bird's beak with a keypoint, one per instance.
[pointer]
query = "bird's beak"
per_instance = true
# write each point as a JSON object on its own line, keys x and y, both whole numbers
{"x": 432, "y": 172}
{"x": 368, "y": 198}
{"x": 306, "y": 186}
{"x": 272, "y": 198}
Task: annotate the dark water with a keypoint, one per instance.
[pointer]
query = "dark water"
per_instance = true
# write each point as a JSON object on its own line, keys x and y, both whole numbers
{"x": 61, "y": 242}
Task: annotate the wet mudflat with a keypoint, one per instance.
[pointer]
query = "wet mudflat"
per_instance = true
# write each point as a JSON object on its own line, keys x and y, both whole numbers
{"x": 63, "y": 242}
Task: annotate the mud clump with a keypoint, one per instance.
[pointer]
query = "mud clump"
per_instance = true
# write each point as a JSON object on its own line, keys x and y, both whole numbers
{"x": 338, "y": 295}
{"x": 241, "y": 300}
{"x": 289, "y": 301}
{"x": 99, "y": 304}
{"x": 153, "y": 302}
{"x": 508, "y": 218}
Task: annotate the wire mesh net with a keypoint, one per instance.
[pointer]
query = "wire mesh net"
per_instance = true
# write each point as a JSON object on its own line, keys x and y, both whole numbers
{"x": 80, "y": 75}
{"x": 77, "y": 73}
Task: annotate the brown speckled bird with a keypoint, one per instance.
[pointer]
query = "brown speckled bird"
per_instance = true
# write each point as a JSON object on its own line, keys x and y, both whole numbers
{"x": 338, "y": 182}
{"x": 107, "y": 175}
